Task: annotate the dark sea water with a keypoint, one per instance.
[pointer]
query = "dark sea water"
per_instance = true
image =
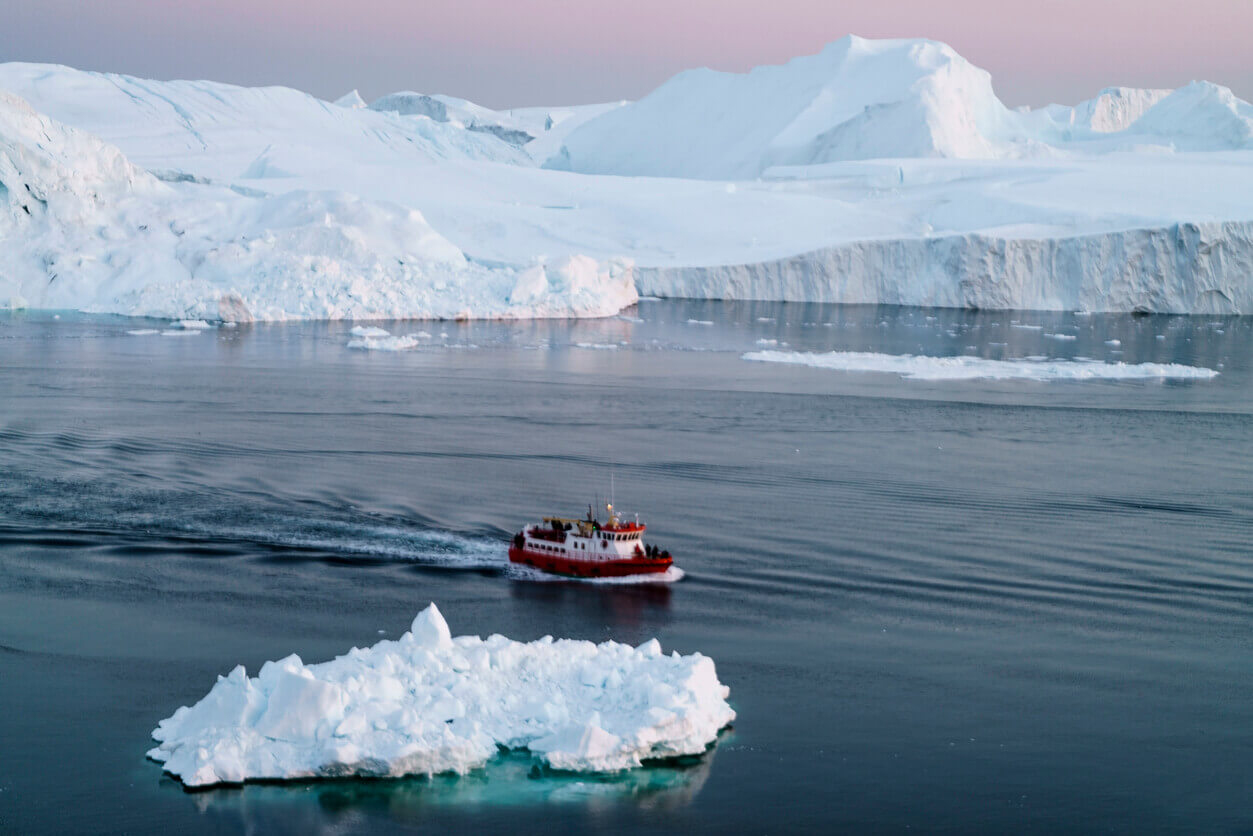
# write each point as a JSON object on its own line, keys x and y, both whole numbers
{"x": 940, "y": 606}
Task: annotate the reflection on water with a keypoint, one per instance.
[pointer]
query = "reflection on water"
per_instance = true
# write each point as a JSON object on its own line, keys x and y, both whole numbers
{"x": 510, "y": 780}
{"x": 624, "y": 605}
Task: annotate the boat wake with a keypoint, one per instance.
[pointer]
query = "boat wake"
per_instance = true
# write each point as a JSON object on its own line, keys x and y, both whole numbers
{"x": 527, "y": 573}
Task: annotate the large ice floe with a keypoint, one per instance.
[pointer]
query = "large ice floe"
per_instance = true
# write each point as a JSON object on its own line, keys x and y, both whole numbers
{"x": 921, "y": 367}
{"x": 876, "y": 171}
{"x": 429, "y": 703}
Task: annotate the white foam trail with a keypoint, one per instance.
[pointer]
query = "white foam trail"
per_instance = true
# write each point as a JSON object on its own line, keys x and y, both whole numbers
{"x": 425, "y": 547}
{"x": 974, "y": 368}
{"x": 527, "y": 573}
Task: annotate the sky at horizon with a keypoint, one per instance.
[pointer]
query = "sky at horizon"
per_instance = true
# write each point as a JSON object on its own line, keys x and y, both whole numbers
{"x": 551, "y": 52}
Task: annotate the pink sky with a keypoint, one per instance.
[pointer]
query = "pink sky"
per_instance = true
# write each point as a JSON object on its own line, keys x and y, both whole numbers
{"x": 503, "y": 52}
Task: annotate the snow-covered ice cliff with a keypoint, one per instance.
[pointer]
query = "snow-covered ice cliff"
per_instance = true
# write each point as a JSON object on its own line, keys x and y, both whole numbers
{"x": 83, "y": 228}
{"x": 429, "y": 703}
{"x": 1182, "y": 268}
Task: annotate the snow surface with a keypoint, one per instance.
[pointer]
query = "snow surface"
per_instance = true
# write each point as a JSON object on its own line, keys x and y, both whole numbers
{"x": 429, "y": 703}
{"x": 875, "y": 171}
{"x": 974, "y": 368}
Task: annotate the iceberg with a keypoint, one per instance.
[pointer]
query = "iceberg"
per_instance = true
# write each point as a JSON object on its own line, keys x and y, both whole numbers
{"x": 428, "y": 703}
{"x": 857, "y": 99}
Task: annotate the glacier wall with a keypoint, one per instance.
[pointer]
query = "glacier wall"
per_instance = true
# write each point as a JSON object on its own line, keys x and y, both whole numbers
{"x": 1185, "y": 268}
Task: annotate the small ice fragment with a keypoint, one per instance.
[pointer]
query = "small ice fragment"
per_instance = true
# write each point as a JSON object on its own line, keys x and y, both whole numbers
{"x": 369, "y": 331}
{"x": 193, "y": 324}
{"x": 1113, "y": 343}
{"x": 386, "y": 343}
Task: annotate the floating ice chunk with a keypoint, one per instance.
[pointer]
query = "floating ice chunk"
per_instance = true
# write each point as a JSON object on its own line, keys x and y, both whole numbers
{"x": 597, "y": 346}
{"x": 1113, "y": 343}
{"x": 180, "y": 332}
{"x": 1061, "y": 337}
{"x": 428, "y": 703}
{"x": 386, "y": 342}
{"x": 764, "y": 341}
{"x": 143, "y": 332}
{"x": 578, "y": 744}
{"x": 973, "y": 368}
{"x": 193, "y": 324}
{"x": 366, "y": 331}
{"x": 700, "y": 322}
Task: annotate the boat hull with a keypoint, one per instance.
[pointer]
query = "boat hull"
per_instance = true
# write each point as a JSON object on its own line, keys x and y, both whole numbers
{"x": 571, "y": 568}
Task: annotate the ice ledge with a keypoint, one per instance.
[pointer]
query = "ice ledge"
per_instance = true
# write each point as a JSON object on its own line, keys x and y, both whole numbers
{"x": 429, "y": 703}
{"x": 1183, "y": 268}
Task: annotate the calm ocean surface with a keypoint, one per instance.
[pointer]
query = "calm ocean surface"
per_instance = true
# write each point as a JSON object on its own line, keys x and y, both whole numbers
{"x": 940, "y": 606}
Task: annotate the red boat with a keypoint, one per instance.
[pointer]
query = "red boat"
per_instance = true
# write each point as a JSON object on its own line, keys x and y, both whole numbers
{"x": 587, "y": 548}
